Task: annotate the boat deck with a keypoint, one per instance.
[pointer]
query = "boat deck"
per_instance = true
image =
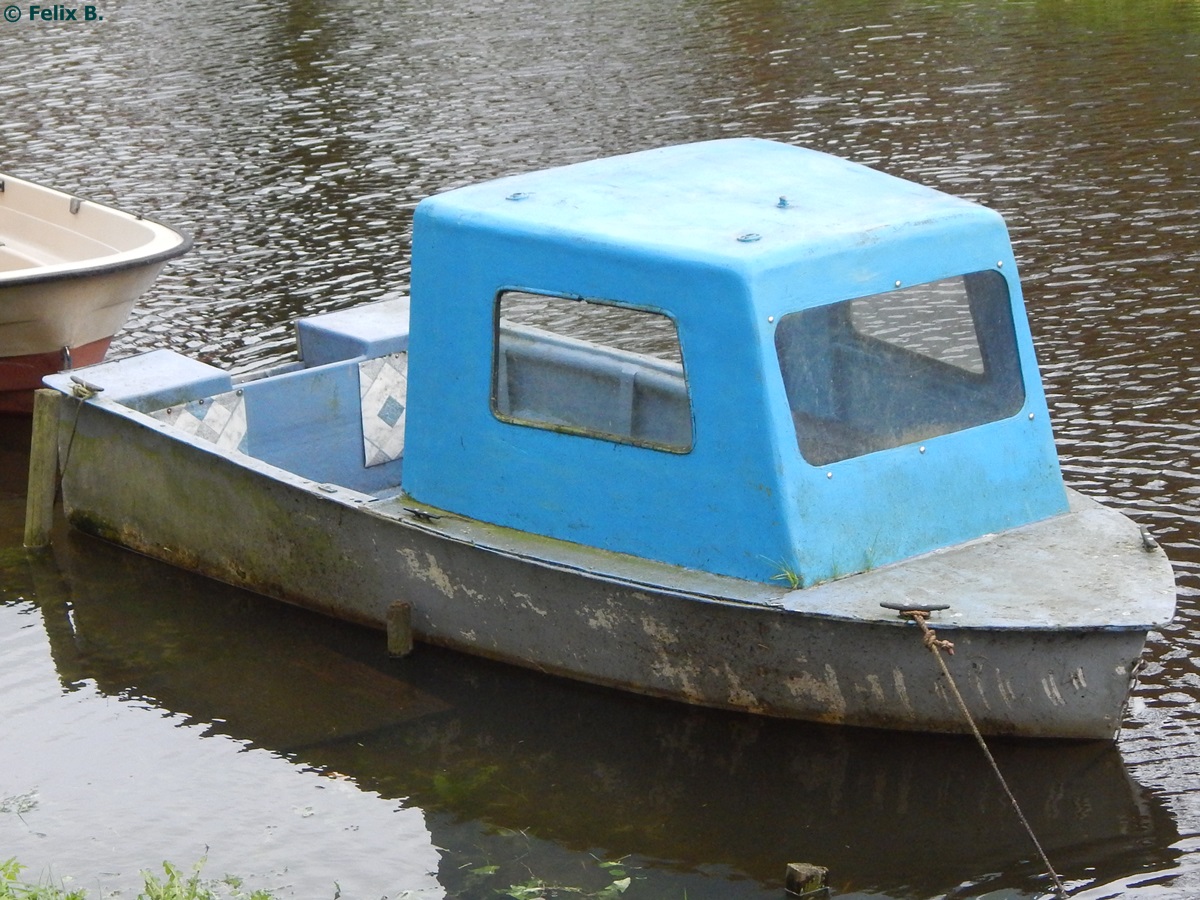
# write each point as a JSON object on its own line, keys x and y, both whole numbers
{"x": 998, "y": 581}
{"x": 1072, "y": 571}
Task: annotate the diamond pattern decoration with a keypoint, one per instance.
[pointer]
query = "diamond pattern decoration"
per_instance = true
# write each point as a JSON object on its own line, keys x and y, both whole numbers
{"x": 383, "y": 388}
{"x": 220, "y": 419}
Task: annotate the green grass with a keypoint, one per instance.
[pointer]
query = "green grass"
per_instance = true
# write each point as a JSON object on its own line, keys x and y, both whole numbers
{"x": 790, "y": 574}
{"x": 174, "y": 884}
{"x": 12, "y": 888}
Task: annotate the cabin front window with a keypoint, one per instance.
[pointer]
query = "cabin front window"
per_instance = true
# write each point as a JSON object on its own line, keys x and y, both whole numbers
{"x": 590, "y": 368}
{"x": 907, "y": 365}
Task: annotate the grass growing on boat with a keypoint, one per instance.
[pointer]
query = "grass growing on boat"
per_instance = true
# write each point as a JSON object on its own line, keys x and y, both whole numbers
{"x": 790, "y": 574}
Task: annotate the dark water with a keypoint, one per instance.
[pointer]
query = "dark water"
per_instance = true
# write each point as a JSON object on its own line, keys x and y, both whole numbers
{"x": 148, "y": 715}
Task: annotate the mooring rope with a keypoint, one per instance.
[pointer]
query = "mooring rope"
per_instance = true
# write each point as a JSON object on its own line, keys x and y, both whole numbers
{"x": 81, "y": 391}
{"x": 936, "y": 645}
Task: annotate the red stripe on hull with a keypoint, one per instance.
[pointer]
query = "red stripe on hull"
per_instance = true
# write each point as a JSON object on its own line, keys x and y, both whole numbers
{"x": 20, "y": 376}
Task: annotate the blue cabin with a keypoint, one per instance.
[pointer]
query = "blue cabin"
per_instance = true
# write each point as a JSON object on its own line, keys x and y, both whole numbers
{"x": 737, "y": 356}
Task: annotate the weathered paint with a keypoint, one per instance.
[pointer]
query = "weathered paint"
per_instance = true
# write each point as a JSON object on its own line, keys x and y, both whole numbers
{"x": 476, "y": 589}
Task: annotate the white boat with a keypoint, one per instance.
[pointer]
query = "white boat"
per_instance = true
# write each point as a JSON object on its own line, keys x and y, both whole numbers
{"x": 70, "y": 271}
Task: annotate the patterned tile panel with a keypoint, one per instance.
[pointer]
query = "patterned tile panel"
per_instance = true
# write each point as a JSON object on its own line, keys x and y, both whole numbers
{"x": 383, "y": 387}
{"x": 220, "y": 419}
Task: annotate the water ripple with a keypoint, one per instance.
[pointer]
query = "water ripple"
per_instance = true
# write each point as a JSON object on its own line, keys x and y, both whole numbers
{"x": 294, "y": 142}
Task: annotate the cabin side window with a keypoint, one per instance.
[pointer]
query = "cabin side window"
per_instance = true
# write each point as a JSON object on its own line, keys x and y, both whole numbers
{"x": 907, "y": 365}
{"x": 590, "y": 368}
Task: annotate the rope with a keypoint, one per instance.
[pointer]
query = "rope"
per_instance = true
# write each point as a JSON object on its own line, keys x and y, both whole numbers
{"x": 82, "y": 391}
{"x": 935, "y": 645}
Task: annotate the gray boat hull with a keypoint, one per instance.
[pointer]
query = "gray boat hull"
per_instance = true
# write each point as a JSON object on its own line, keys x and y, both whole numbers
{"x": 614, "y": 620}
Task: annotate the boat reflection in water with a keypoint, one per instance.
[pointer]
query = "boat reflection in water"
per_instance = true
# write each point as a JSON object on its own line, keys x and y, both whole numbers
{"x": 498, "y": 757}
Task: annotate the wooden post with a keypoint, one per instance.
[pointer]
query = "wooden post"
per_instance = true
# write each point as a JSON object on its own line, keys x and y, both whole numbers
{"x": 43, "y": 468}
{"x": 399, "y": 629}
{"x": 806, "y": 880}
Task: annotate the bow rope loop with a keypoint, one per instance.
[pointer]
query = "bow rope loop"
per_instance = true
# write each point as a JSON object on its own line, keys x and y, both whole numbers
{"x": 936, "y": 645}
{"x": 82, "y": 391}
{"x": 932, "y": 642}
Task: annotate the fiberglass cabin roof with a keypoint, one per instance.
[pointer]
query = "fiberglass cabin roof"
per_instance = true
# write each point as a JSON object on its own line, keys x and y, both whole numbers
{"x": 716, "y": 199}
{"x": 673, "y": 231}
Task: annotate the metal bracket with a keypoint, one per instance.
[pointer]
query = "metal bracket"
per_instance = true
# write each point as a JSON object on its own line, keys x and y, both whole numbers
{"x": 903, "y": 608}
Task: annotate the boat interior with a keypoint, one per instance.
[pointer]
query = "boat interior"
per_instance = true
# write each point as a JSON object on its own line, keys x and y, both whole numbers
{"x": 40, "y": 226}
{"x": 337, "y": 415}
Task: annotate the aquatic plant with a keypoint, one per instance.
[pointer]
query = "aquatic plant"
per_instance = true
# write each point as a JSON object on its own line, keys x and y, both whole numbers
{"x": 614, "y": 872}
{"x": 458, "y": 790}
{"x": 174, "y": 885}
{"x": 18, "y": 804}
{"x": 177, "y": 886}
{"x": 12, "y": 888}
{"x": 538, "y": 889}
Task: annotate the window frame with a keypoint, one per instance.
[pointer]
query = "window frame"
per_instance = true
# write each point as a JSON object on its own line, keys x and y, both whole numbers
{"x": 661, "y": 375}
{"x": 826, "y": 434}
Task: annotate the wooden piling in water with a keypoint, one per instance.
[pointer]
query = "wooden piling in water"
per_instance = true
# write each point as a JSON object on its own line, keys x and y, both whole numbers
{"x": 399, "y": 629}
{"x": 806, "y": 880}
{"x": 43, "y": 469}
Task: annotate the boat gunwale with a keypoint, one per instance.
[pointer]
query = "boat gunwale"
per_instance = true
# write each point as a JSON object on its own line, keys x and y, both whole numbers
{"x": 770, "y": 602}
{"x": 87, "y": 269}
{"x": 96, "y": 265}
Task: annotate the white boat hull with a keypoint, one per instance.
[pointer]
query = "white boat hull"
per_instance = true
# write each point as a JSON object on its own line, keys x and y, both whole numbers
{"x": 70, "y": 272}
